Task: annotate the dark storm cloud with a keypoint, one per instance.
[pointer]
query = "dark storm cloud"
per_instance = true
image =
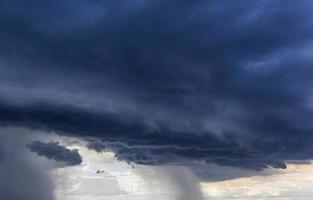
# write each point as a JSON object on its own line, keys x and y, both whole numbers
{"x": 162, "y": 81}
{"x": 55, "y": 151}
{"x": 136, "y": 142}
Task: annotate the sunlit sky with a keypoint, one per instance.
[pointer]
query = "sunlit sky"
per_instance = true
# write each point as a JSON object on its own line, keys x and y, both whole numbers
{"x": 121, "y": 181}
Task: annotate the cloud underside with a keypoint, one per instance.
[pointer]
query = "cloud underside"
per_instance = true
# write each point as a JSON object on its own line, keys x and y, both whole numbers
{"x": 163, "y": 82}
{"x": 139, "y": 143}
{"x": 55, "y": 151}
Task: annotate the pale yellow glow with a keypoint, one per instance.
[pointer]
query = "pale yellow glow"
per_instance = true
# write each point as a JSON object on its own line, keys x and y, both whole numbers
{"x": 293, "y": 183}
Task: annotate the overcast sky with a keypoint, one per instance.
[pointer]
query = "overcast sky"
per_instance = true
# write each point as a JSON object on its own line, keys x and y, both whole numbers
{"x": 160, "y": 99}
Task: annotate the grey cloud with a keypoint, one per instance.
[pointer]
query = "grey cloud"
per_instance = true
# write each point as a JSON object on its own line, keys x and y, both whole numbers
{"x": 134, "y": 141}
{"x": 22, "y": 178}
{"x": 55, "y": 151}
{"x": 162, "y": 82}
{"x": 22, "y": 181}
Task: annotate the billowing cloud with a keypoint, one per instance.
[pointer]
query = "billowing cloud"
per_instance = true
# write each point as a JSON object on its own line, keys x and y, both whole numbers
{"x": 161, "y": 82}
{"x": 55, "y": 151}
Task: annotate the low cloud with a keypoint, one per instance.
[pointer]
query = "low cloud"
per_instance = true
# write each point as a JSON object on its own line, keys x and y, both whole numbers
{"x": 55, "y": 151}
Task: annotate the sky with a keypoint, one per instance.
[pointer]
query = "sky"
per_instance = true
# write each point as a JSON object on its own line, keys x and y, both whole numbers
{"x": 158, "y": 99}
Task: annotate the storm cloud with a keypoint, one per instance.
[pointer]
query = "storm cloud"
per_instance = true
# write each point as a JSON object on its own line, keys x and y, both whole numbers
{"x": 55, "y": 151}
{"x": 164, "y": 82}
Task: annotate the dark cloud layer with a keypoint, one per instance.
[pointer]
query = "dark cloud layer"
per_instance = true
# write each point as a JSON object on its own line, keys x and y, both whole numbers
{"x": 162, "y": 81}
{"x": 55, "y": 151}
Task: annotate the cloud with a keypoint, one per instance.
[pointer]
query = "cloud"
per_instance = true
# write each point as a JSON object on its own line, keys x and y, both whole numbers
{"x": 205, "y": 82}
{"x": 55, "y": 151}
{"x": 1, "y": 155}
{"x": 16, "y": 178}
{"x": 22, "y": 177}
{"x": 187, "y": 185}
{"x": 137, "y": 143}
